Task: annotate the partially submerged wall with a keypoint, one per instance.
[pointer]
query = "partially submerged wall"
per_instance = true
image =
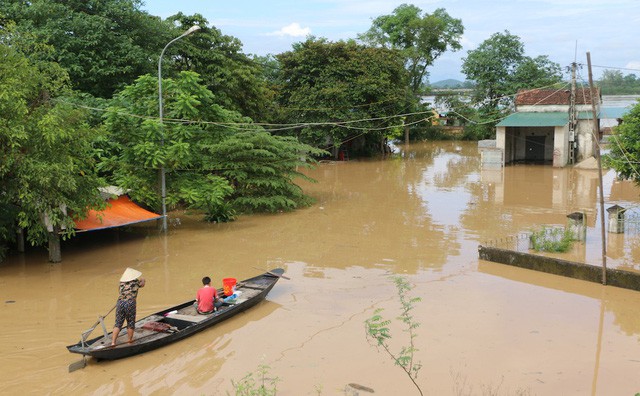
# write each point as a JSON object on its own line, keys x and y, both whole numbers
{"x": 615, "y": 277}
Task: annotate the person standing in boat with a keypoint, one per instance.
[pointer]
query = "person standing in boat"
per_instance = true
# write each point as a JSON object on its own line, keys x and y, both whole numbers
{"x": 207, "y": 299}
{"x": 130, "y": 282}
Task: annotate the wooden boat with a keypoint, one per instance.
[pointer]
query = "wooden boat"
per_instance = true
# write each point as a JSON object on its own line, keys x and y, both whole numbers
{"x": 177, "y": 322}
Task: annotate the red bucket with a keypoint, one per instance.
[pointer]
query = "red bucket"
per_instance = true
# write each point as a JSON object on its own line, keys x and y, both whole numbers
{"x": 228, "y": 286}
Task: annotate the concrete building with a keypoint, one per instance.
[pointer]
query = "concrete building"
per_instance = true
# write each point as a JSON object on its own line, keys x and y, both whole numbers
{"x": 549, "y": 127}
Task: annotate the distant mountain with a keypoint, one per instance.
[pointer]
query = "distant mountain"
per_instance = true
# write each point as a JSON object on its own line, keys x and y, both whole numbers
{"x": 449, "y": 83}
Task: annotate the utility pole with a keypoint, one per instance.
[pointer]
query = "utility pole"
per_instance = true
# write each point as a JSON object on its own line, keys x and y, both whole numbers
{"x": 572, "y": 115}
{"x": 596, "y": 137}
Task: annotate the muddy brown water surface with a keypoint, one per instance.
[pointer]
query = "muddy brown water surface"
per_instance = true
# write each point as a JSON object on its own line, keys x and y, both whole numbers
{"x": 422, "y": 214}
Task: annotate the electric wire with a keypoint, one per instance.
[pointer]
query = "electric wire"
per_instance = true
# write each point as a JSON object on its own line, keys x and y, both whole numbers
{"x": 624, "y": 152}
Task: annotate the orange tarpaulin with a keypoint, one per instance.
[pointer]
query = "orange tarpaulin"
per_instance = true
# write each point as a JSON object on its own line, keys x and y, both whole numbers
{"x": 119, "y": 212}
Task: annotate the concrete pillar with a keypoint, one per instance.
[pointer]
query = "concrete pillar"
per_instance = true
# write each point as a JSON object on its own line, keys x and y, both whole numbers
{"x": 616, "y": 219}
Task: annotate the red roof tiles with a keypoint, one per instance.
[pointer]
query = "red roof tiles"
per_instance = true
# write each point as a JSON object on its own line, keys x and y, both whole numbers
{"x": 553, "y": 97}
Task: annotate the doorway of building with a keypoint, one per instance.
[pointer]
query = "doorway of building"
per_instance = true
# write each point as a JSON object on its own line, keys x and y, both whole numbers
{"x": 534, "y": 149}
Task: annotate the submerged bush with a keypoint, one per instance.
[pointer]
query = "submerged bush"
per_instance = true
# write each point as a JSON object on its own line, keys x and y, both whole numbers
{"x": 256, "y": 384}
{"x": 555, "y": 240}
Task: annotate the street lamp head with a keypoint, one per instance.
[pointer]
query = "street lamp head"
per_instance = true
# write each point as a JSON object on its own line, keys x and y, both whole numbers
{"x": 192, "y": 29}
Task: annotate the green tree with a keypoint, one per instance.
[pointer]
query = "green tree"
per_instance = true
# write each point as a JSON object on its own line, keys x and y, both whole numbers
{"x": 421, "y": 37}
{"x": 338, "y": 91}
{"x": 237, "y": 80}
{"x": 499, "y": 68}
{"x": 379, "y": 332}
{"x": 492, "y": 66}
{"x": 47, "y": 168}
{"x": 262, "y": 168}
{"x": 102, "y": 44}
{"x": 624, "y": 155}
{"x": 613, "y": 82}
{"x": 536, "y": 72}
{"x": 209, "y": 165}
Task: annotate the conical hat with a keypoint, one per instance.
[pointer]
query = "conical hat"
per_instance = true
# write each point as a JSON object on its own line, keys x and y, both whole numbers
{"x": 130, "y": 274}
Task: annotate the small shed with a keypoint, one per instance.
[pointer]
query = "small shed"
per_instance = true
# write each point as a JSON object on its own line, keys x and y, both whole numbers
{"x": 548, "y": 127}
{"x": 120, "y": 211}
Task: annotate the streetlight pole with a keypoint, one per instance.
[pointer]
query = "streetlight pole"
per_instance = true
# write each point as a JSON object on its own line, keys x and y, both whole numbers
{"x": 163, "y": 186}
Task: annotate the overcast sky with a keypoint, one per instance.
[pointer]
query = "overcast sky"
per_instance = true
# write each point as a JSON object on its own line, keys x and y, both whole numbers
{"x": 565, "y": 30}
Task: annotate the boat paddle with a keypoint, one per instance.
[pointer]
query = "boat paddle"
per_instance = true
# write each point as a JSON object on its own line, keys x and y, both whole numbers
{"x": 83, "y": 363}
{"x": 273, "y": 274}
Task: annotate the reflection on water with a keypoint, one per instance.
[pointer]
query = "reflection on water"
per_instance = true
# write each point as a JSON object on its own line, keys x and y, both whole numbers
{"x": 422, "y": 214}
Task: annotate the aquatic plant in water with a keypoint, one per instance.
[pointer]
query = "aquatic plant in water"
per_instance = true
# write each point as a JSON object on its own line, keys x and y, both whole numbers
{"x": 552, "y": 239}
{"x": 263, "y": 385}
{"x": 378, "y": 330}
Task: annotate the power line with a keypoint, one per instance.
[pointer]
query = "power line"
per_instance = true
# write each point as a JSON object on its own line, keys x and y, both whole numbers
{"x": 613, "y": 67}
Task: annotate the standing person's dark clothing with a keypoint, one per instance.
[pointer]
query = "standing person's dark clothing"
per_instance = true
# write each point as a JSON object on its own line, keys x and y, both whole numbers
{"x": 130, "y": 282}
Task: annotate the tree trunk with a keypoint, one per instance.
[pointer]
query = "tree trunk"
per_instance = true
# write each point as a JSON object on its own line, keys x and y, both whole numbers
{"x": 406, "y": 134}
{"x": 20, "y": 239}
{"x": 55, "y": 251}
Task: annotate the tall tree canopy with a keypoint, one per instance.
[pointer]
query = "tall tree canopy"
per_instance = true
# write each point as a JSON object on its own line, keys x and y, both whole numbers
{"x": 47, "y": 170}
{"x": 613, "y": 82}
{"x": 234, "y": 77}
{"x": 499, "y": 67}
{"x": 102, "y": 44}
{"x": 421, "y": 37}
{"x": 215, "y": 159}
{"x": 624, "y": 156}
{"x": 326, "y": 87}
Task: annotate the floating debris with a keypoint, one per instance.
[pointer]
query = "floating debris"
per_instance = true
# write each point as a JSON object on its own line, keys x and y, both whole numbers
{"x": 360, "y": 388}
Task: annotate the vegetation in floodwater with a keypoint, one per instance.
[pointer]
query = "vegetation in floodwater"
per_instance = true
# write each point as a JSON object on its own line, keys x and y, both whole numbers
{"x": 552, "y": 239}
{"x": 378, "y": 331}
{"x": 256, "y": 384}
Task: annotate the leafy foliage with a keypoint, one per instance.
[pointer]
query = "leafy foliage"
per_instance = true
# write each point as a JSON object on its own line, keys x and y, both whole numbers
{"x": 378, "y": 331}
{"x": 499, "y": 68}
{"x": 208, "y": 165}
{"x": 263, "y": 385}
{"x": 421, "y": 38}
{"x": 236, "y": 79}
{"x": 102, "y": 44}
{"x": 344, "y": 82}
{"x": 556, "y": 240}
{"x": 47, "y": 170}
{"x": 625, "y": 150}
{"x": 262, "y": 167}
{"x": 613, "y": 82}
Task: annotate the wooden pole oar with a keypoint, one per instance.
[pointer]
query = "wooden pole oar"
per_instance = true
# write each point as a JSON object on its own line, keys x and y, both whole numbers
{"x": 273, "y": 274}
{"x": 83, "y": 363}
{"x": 78, "y": 365}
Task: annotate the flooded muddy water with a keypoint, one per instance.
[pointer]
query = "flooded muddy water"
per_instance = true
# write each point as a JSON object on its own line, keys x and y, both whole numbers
{"x": 486, "y": 328}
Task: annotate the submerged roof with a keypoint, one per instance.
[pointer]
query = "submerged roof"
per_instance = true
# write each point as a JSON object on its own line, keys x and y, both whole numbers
{"x": 527, "y": 119}
{"x": 119, "y": 212}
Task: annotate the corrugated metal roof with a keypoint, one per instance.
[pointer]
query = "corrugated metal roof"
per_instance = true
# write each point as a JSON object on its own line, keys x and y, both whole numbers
{"x": 585, "y": 115}
{"x": 543, "y": 119}
{"x": 614, "y": 112}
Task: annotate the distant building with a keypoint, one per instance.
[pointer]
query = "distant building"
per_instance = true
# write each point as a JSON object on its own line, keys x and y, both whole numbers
{"x": 549, "y": 127}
